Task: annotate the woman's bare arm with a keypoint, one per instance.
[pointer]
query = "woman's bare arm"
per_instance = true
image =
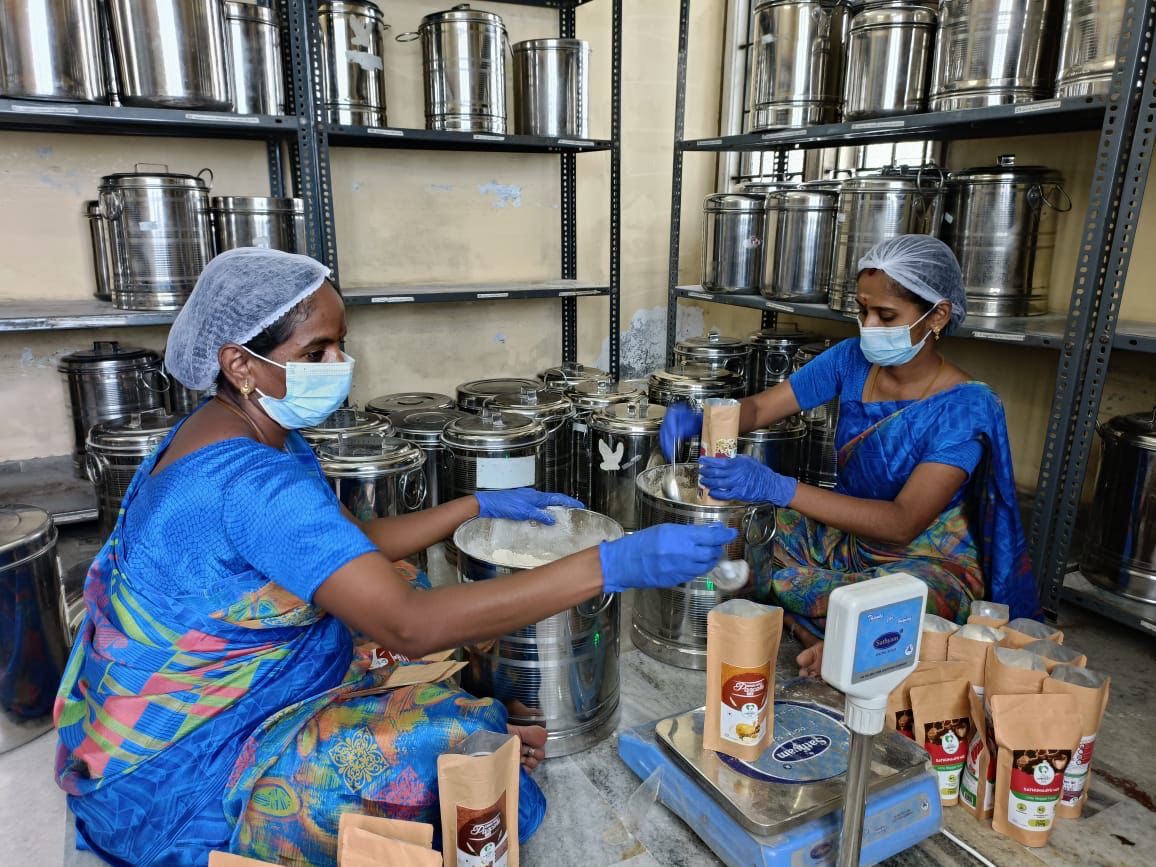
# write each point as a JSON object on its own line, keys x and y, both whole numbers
{"x": 404, "y": 536}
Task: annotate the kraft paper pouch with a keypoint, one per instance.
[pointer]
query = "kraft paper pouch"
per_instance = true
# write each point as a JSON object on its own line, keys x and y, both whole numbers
{"x": 970, "y": 645}
{"x": 986, "y": 613}
{"x": 408, "y": 675}
{"x": 366, "y": 849}
{"x": 478, "y": 791}
{"x": 899, "y": 717}
{"x": 417, "y": 833}
{"x": 1056, "y": 654}
{"x": 1037, "y": 735}
{"x": 1090, "y": 690}
{"x": 1022, "y": 631}
{"x": 936, "y": 630}
{"x": 720, "y": 435}
{"x": 226, "y": 859}
{"x": 742, "y": 647}
{"x": 1012, "y": 672}
{"x": 943, "y": 727}
{"x": 977, "y": 782}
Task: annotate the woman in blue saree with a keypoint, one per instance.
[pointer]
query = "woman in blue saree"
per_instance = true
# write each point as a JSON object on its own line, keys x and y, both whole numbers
{"x": 925, "y": 480}
{"x": 230, "y": 687}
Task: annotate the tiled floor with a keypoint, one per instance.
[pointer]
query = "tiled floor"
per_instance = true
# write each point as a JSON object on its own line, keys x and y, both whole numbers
{"x": 616, "y": 824}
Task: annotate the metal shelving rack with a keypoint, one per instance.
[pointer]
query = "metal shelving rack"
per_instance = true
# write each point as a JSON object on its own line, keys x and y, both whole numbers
{"x": 307, "y": 137}
{"x": 1083, "y": 339}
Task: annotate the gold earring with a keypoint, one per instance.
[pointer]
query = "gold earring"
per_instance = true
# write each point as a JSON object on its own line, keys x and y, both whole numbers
{"x": 935, "y": 331}
{"x": 246, "y": 389}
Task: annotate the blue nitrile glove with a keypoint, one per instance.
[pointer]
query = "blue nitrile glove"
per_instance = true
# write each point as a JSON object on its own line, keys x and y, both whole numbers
{"x": 680, "y": 423}
{"x": 522, "y": 504}
{"x": 743, "y": 478}
{"x": 662, "y": 556}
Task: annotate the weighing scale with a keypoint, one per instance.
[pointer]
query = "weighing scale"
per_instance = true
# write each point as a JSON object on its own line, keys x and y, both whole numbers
{"x": 786, "y": 809}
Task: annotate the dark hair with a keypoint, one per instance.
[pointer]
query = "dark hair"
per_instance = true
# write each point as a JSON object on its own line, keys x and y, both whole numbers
{"x": 272, "y": 337}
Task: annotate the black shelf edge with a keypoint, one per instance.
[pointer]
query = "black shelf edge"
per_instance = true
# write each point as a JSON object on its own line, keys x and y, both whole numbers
{"x": 547, "y": 4}
{"x": 438, "y": 293}
{"x": 1070, "y": 114}
{"x": 1135, "y": 336}
{"x": 68, "y": 314}
{"x": 1080, "y": 591}
{"x": 28, "y": 116}
{"x": 1040, "y": 331}
{"x": 428, "y": 139}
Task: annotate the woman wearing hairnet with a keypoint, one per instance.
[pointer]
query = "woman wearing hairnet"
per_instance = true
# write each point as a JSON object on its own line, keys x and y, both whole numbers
{"x": 925, "y": 476}
{"x": 222, "y": 693}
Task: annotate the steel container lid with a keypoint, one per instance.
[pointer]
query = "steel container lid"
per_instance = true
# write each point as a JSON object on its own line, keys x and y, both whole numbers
{"x": 898, "y": 182}
{"x": 425, "y": 426}
{"x": 462, "y": 13}
{"x": 493, "y": 430}
{"x": 355, "y": 7}
{"x": 1137, "y": 429}
{"x": 714, "y": 346}
{"x": 347, "y": 421}
{"x": 762, "y": 188}
{"x": 637, "y": 417}
{"x": 694, "y": 379}
{"x": 473, "y": 395}
{"x": 588, "y": 396}
{"x": 257, "y": 204}
{"x": 566, "y": 376}
{"x": 811, "y": 351}
{"x": 108, "y": 354}
{"x": 25, "y": 532}
{"x": 537, "y": 403}
{"x": 408, "y": 401}
{"x": 250, "y": 12}
{"x": 825, "y": 4}
{"x": 138, "y": 433}
{"x": 778, "y": 338}
{"x": 144, "y": 180}
{"x": 738, "y": 202}
{"x": 890, "y": 15}
{"x": 787, "y": 428}
{"x": 1006, "y": 171}
{"x": 371, "y": 454}
{"x": 551, "y": 44}
{"x": 815, "y": 199}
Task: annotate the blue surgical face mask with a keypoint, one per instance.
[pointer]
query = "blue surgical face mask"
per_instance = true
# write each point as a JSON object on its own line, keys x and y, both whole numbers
{"x": 313, "y": 391}
{"x": 890, "y": 347}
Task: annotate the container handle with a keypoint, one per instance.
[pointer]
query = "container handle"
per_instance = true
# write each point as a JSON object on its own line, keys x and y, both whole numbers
{"x": 601, "y": 605}
{"x": 408, "y": 36}
{"x": 207, "y": 171}
{"x": 94, "y": 467}
{"x": 166, "y": 384}
{"x": 919, "y": 178}
{"x": 769, "y": 525}
{"x": 112, "y": 205}
{"x": 413, "y": 494}
{"x": 1040, "y": 196}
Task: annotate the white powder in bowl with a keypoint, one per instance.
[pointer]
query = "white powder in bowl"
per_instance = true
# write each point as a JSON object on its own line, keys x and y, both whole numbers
{"x": 517, "y": 560}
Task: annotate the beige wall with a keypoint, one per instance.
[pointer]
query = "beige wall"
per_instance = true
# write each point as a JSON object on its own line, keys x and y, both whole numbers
{"x": 401, "y": 216}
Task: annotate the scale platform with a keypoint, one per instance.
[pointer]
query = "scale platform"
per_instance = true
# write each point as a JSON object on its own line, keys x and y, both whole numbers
{"x": 786, "y": 809}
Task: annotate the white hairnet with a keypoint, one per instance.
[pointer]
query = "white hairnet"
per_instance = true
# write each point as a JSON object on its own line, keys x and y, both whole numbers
{"x": 923, "y": 265}
{"x": 238, "y": 295}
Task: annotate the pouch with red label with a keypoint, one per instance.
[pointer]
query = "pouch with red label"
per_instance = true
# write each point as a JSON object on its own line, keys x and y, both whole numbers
{"x": 942, "y": 714}
{"x": 1090, "y": 690}
{"x": 898, "y": 715}
{"x": 742, "y": 646}
{"x": 478, "y": 795}
{"x": 977, "y": 781}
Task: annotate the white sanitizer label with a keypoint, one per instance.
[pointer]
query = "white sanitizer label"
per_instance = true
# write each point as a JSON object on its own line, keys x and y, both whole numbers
{"x": 499, "y": 474}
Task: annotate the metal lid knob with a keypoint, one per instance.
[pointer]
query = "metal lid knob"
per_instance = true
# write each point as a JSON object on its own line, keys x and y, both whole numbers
{"x": 528, "y": 394}
{"x": 713, "y": 336}
{"x": 1006, "y": 160}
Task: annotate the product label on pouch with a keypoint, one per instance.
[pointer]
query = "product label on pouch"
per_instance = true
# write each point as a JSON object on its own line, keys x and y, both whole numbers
{"x": 1037, "y": 778}
{"x": 482, "y": 838}
{"x": 744, "y": 704}
{"x": 969, "y": 778}
{"x": 945, "y": 743}
{"x": 1076, "y": 774}
{"x": 499, "y": 474}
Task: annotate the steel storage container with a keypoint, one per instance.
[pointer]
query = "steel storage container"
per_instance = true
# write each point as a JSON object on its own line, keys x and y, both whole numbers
{"x": 255, "y": 58}
{"x": 463, "y": 54}
{"x": 874, "y": 208}
{"x": 561, "y": 672}
{"x": 552, "y": 88}
{"x": 51, "y": 49}
{"x": 33, "y": 632}
{"x": 172, "y": 53}
{"x": 780, "y": 446}
{"x": 376, "y": 476}
{"x": 259, "y": 221}
{"x": 104, "y": 260}
{"x": 554, "y": 412}
{"x": 716, "y": 351}
{"x": 114, "y": 452}
{"x": 1120, "y": 552}
{"x": 345, "y": 422}
{"x": 423, "y": 428}
{"x": 733, "y": 233}
{"x": 162, "y": 234}
{"x": 670, "y": 624}
{"x": 795, "y": 73}
{"x": 889, "y": 52}
{"x": 587, "y": 400}
{"x": 107, "y": 382}
{"x": 1088, "y": 46}
{"x": 408, "y": 401}
{"x": 472, "y": 396}
{"x": 182, "y": 400}
{"x": 993, "y": 52}
{"x": 569, "y": 375}
{"x": 624, "y": 441}
{"x": 819, "y": 464}
{"x": 800, "y": 240}
{"x": 773, "y": 354}
{"x": 1003, "y": 231}
{"x": 352, "y": 62}
{"x": 692, "y": 384}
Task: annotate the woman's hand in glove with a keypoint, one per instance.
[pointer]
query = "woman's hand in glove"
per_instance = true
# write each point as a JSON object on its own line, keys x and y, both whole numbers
{"x": 522, "y": 504}
{"x": 743, "y": 478}
{"x": 662, "y": 556}
{"x": 680, "y": 423}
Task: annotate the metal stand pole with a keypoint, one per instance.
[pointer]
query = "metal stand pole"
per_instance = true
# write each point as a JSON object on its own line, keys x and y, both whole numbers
{"x": 855, "y": 799}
